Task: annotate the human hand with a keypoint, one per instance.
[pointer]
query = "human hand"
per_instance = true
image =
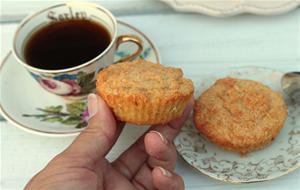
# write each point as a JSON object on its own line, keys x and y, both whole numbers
{"x": 147, "y": 164}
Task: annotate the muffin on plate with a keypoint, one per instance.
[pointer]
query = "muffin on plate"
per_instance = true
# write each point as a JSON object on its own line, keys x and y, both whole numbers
{"x": 144, "y": 93}
{"x": 239, "y": 115}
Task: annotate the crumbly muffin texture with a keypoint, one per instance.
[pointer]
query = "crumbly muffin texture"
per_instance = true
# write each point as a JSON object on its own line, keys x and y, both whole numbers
{"x": 144, "y": 93}
{"x": 239, "y": 115}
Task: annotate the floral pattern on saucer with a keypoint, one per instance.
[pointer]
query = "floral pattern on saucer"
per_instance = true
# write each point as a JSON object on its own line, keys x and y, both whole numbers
{"x": 77, "y": 114}
{"x": 281, "y": 157}
{"x": 143, "y": 55}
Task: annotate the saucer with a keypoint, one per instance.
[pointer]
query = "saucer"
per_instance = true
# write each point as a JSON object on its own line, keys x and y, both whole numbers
{"x": 29, "y": 107}
{"x": 231, "y": 8}
{"x": 279, "y": 158}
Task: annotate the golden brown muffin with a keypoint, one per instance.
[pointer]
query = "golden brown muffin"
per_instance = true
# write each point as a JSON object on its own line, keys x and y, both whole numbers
{"x": 239, "y": 115}
{"x": 144, "y": 93}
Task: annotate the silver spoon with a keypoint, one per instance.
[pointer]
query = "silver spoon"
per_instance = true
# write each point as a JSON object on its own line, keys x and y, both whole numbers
{"x": 290, "y": 83}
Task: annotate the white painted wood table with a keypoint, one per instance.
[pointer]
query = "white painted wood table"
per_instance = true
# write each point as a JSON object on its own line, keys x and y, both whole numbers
{"x": 198, "y": 44}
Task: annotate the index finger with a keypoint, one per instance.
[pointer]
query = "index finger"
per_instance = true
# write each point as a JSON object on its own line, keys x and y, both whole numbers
{"x": 135, "y": 156}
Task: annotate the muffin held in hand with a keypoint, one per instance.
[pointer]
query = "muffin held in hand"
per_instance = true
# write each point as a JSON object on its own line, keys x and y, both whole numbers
{"x": 144, "y": 93}
{"x": 239, "y": 115}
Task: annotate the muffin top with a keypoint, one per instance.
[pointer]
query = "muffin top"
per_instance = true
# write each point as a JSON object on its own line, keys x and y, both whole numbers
{"x": 144, "y": 78}
{"x": 239, "y": 113}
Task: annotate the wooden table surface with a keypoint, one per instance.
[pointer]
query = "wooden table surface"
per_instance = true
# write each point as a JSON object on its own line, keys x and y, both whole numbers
{"x": 197, "y": 43}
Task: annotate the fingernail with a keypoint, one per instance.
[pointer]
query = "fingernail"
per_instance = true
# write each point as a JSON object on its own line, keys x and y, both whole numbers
{"x": 92, "y": 105}
{"x": 165, "y": 172}
{"x": 161, "y": 136}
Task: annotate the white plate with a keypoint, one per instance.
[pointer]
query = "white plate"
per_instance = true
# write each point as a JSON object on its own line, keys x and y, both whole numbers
{"x": 225, "y": 8}
{"x": 281, "y": 157}
{"x": 31, "y": 108}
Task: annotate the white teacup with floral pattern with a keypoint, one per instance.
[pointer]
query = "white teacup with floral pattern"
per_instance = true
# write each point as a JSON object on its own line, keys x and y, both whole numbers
{"x": 77, "y": 82}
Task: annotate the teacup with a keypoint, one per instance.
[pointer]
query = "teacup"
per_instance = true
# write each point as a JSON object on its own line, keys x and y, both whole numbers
{"x": 73, "y": 82}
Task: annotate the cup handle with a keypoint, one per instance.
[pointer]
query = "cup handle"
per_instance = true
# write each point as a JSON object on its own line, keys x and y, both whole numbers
{"x": 130, "y": 38}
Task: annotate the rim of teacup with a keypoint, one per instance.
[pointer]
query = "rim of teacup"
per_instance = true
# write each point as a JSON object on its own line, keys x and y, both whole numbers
{"x": 36, "y": 13}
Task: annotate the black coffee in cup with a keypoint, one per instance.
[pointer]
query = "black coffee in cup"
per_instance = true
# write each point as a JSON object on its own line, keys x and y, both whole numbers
{"x": 66, "y": 44}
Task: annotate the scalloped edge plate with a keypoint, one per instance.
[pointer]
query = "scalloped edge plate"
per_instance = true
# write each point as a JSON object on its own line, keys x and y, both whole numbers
{"x": 226, "y": 8}
{"x": 281, "y": 157}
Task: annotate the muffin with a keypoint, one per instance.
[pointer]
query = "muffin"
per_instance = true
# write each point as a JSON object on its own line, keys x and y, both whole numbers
{"x": 144, "y": 93}
{"x": 239, "y": 115}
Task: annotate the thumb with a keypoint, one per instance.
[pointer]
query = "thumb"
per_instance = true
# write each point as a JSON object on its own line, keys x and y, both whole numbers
{"x": 95, "y": 141}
